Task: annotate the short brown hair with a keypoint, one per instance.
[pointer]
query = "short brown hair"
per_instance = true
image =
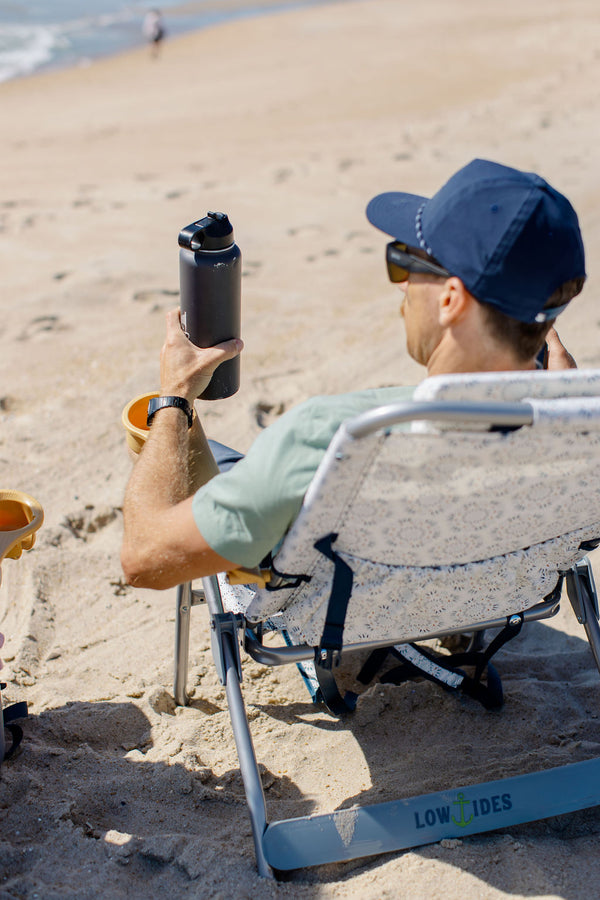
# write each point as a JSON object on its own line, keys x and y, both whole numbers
{"x": 527, "y": 338}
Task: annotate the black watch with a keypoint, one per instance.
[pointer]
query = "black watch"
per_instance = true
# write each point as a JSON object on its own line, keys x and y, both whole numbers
{"x": 181, "y": 403}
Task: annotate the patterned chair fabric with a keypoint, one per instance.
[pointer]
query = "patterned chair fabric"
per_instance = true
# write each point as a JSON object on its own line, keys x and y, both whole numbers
{"x": 443, "y": 527}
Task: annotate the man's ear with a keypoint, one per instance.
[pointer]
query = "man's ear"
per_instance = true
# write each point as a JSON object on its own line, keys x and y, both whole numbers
{"x": 455, "y": 301}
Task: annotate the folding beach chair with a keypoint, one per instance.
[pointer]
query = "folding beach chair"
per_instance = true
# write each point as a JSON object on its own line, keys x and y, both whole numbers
{"x": 20, "y": 518}
{"x": 468, "y": 520}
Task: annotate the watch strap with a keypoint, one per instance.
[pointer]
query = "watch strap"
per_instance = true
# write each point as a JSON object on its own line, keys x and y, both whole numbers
{"x": 156, "y": 403}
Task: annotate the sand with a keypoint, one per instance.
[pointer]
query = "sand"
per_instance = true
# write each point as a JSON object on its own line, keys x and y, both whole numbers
{"x": 290, "y": 123}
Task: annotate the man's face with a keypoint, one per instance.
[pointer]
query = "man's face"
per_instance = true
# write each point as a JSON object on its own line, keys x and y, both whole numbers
{"x": 420, "y": 311}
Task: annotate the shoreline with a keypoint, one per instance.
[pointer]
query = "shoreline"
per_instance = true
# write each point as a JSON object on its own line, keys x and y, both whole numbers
{"x": 204, "y": 17}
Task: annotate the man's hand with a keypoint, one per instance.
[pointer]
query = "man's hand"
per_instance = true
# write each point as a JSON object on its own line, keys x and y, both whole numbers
{"x": 558, "y": 356}
{"x": 186, "y": 370}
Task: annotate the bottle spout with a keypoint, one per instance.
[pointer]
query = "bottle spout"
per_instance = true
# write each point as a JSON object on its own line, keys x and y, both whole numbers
{"x": 213, "y": 232}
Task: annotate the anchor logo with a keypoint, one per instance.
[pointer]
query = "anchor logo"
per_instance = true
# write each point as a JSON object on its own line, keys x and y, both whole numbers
{"x": 462, "y": 823}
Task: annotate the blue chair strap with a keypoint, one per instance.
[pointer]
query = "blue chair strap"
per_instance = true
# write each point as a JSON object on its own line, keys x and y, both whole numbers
{"x": 447, "y": 671}
{"x": 330, "y": 649}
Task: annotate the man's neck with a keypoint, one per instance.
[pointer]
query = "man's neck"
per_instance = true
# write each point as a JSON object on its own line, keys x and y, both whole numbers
{"x": 450, "y": 357}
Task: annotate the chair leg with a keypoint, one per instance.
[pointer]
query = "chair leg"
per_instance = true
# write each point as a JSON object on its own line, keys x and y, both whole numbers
{"x": 182, "y": 641}
{"x": 247, "y": 758}
{"x": 228, "y": 667}
{"x": 582, "y": 593}
{"x": 592, "y": 629}
{"x": 589, "y": 601}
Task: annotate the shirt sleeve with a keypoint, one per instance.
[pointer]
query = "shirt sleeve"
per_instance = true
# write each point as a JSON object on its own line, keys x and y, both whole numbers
{"x": 244, "y": 513}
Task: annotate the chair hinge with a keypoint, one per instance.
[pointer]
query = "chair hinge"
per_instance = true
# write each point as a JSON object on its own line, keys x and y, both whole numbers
{"x": 226, "y": 627}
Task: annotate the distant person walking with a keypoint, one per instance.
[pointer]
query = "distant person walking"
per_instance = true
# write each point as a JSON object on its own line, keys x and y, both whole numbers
{"x": 153, "y": 30}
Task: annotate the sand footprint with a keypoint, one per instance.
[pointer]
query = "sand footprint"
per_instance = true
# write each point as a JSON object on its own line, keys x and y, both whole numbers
{"x": 38, "y": 633}
{"x": 251, "y": 267}
{"x": 283, "y": 175}
{"x": 330, "y": 251}
{"x": 154, "y": 294}
{"x": 80, "y": 525}
{"x": 89, "y": 521}
{"x": 265, "y": 412}
{"x": 345, "y": 164}
{"x": 8, "y": 403}
{"x": 40, "y": 326}
{"x": 299, "y": 230}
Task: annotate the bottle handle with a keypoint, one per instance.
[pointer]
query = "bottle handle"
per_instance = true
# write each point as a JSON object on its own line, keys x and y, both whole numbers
{"x": 188, "y": 236}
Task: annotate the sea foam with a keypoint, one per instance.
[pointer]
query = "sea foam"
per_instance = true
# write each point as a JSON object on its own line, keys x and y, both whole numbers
{"x": 24, "y": 48}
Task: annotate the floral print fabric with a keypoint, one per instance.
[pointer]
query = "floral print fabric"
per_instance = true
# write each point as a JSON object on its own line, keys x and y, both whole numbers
{"x": 446, "y": 528}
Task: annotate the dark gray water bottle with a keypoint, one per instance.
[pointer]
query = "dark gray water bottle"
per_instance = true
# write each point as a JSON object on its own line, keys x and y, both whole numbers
{"x": 210, "y": 280}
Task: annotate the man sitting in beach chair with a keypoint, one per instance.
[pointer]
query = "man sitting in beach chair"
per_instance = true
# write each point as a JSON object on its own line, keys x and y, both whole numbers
{"x": 486, "y": 265}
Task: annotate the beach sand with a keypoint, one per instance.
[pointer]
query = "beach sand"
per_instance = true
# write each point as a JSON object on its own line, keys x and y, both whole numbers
{"x": 290, "y": 123}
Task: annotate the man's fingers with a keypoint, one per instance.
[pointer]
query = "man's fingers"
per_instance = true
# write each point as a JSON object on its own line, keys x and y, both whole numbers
{"x": 231, "y": 347}
{"x": 187, "y": 368}
{"x": 173, "y": 319}
{"x": 558, "y": 355}
{"x": 553, "y": 338}
{"x": 214, "y": 356}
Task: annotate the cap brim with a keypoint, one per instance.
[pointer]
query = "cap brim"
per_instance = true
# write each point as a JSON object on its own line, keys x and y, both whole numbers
{"x": 395, "y": 213}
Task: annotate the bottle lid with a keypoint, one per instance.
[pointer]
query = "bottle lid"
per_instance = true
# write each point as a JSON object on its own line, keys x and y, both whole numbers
{"x": 213, "y": 232}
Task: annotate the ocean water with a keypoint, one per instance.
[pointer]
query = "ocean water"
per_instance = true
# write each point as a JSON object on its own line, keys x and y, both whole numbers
{"x": 42, "y": 34}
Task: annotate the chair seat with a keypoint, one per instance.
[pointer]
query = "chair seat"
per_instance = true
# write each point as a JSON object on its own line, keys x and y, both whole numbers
{"x": 406, "y": 602}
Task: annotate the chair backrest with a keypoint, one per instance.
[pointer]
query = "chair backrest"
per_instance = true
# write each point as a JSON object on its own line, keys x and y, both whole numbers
{"x": 449, "y": 527}
{"x": 511, "y": 386}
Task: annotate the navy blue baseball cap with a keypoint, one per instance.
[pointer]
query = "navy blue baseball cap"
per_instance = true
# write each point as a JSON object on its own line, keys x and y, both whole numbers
{"x": 508, "y": 235}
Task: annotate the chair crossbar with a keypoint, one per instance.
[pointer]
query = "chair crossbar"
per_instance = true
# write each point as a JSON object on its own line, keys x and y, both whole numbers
{"x": 401, "y": 824}
{"x": 281, "y": 656}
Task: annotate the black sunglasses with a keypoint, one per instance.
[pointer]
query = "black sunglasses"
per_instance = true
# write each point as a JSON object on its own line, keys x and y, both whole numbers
{"x": 400, "y": 261}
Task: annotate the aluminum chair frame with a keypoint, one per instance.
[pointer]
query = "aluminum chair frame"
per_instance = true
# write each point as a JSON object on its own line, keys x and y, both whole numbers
{"x": 409, "y": 822}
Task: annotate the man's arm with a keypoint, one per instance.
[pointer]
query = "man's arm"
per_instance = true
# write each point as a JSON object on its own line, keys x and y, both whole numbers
{"x": 162, "y": 545}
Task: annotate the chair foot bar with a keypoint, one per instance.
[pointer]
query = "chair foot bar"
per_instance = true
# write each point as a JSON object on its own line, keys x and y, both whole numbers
{"x": 247, "y": 758}
{"x": 183, "y": 605}
{"x": 371, "y": 830}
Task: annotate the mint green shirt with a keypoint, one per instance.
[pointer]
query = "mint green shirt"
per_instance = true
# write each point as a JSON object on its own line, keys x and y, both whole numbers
{"x": 245, "y": 512}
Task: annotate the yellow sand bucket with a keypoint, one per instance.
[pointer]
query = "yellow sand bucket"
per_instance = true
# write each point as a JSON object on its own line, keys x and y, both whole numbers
{"x": 134, "y": 420}
{"x": 20, "y": 518}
